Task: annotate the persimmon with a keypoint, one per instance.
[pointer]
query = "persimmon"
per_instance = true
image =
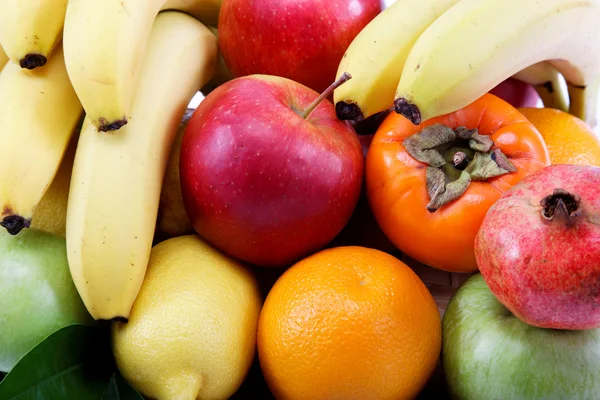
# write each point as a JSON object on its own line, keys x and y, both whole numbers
{"x": 430, "y": 185}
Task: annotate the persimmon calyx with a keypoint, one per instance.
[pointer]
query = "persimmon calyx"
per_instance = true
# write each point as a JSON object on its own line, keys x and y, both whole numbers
{"x": 455, "y": 158}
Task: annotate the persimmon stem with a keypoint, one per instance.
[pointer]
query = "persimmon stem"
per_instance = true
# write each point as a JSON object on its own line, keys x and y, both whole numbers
{"x": 459, "y": 158}
{"x": 455, "y": 158}
{"x": 343, "y": 79}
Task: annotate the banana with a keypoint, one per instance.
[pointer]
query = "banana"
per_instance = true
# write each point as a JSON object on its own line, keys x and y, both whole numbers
{"x": 116, "y": 180}
{"x": 3, "y": 57}
{"x": 39, "y": 112}
{"x": 105, "y": 42}
{"x": 31, "y": 29}
{"x": 585, "y": 104}
{"x": 51, "y": 212}
{"x": 549, "y": 84}
{"x": 223, "y": 74}
{"x": 377, "y": 54}
{"x": 477, "y": 44}
{"x": 207, "y": 11}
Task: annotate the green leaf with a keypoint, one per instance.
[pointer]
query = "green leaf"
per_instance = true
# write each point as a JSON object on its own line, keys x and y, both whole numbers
{"x": 74, "y": 362}
{"x": 112, "y": 393}
{"x": 119, "y": 389}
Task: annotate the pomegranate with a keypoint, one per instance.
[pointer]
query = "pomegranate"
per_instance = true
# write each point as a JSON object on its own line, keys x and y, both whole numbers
{"x": 538, "y": 248}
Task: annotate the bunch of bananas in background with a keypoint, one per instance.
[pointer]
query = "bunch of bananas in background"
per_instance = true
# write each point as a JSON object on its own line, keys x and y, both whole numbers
{"x": 113, "y": 78}
{"x": 426, "y": 58}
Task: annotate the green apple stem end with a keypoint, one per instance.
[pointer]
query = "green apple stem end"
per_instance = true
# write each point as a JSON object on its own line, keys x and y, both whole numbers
{"x": 343, "y": 79}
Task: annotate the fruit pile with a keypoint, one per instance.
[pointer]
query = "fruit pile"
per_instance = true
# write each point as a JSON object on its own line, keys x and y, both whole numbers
{"x": 232, "y": 199}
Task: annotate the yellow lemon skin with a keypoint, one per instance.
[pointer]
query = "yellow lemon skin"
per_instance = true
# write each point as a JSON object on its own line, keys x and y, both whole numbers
{"x": 192, "y": 330}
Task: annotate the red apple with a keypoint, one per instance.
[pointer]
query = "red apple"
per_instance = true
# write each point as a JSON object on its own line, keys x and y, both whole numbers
{"x": 303, "y": 40}
{"x": 517, "y": 93}
{"x": 261, "y": 180}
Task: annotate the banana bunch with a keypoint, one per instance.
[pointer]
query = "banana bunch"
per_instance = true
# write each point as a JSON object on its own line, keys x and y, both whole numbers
{"x": 426, "y": 58}
{"x": 70, "y": 73}
{"x": 117, "y": 177}
{"x": 105, "y": 42}
{"x": 39, "y": 112}
{"x": 31, "y": 29}
{"x": 3, "y": 57}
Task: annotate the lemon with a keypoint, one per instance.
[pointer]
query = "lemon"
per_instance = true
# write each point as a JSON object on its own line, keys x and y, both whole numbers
{"x": 192, "y": 330}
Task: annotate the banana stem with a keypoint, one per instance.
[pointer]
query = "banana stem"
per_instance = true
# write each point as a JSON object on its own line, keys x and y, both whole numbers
{"x": 584, "y": 103}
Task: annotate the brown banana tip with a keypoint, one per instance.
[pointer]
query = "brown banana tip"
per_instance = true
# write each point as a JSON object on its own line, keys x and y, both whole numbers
{"x": 15, "y": 224}
{"x": 409, "y": 111}
{"x": 348, "y": 111}
{"x": 106, "y": 126}
{"x": 115, "y": 319}
{"x": 31, "y": 61}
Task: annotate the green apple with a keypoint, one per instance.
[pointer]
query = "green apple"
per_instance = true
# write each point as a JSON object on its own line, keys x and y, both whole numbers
{"x": 488, "y": 353}
{"x": 37, "y": 294}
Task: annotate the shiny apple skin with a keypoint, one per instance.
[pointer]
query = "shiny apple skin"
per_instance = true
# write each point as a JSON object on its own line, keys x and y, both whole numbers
{"x": 303, "y": 40}
{"x": 261, "y": 183}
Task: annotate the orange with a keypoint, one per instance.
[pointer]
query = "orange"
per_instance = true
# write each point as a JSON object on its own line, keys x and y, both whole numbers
{"x": 348, "y": 323}
{"x": 569, "y": 139}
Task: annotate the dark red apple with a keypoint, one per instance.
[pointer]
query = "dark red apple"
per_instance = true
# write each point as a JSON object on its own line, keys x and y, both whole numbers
{"x": 303, "y": 40}
{"x": 538, "y": 248}
{"x": 517, "y": 93}
{"x": 261, "y": 181}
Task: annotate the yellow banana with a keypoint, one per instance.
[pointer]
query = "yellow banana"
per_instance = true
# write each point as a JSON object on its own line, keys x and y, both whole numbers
{"x": 105, "y": 42}
{"x": 31, "y": 29}
{"x": 207, "y": 11}
{"x": 549, "y": 84}
{"x": 223, "y": 73}
{"x": 50, "y": 215}
{"x": 377, "y": 54}
{"x": 39, "y": 112}
{"x": 477, "y": 44}
{"x": 585, "y": 104}
{"x": 3, "y": 57}
{"x": 117, "y": 178}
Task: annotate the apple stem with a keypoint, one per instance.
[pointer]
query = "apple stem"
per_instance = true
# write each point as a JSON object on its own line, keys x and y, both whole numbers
{"x": 344, "y": 78}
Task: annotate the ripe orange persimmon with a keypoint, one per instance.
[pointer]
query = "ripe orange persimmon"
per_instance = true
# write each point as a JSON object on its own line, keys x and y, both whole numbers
{"x": 436, "y": 222}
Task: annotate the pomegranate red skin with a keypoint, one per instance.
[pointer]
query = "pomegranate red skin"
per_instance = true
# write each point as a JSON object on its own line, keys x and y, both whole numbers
{"x": 545, "y": 272}
{"x": 259, "y": 182}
